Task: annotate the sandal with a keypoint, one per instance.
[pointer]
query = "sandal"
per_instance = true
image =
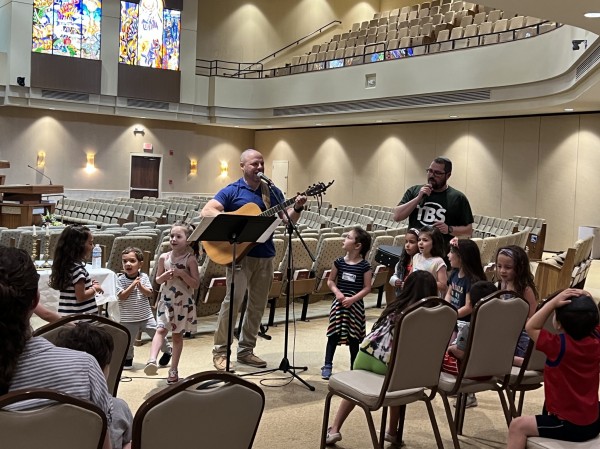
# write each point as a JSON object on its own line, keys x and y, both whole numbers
{"x": 173, "y": 376}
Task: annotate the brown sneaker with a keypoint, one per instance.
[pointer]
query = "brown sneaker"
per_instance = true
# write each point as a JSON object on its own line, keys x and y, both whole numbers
{"x": 251, "y": 359}
{"x": 220, "y": 362}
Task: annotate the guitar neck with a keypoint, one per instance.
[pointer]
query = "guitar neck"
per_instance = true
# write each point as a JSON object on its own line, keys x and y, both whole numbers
{"x": 276, "y": 209}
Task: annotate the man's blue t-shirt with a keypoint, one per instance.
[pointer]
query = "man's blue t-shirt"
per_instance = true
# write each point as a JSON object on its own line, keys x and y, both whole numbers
{"x": 236, "y": 195}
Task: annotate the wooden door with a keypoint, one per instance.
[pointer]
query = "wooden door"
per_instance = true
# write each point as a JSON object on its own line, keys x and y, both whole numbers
{"x": 145, "y": 176}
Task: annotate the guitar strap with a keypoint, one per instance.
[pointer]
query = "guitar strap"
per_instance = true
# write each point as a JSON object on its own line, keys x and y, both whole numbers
{"x": 266, "y": 194}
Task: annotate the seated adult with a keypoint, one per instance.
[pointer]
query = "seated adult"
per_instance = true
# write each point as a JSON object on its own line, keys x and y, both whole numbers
{"x": 34, "y": 362}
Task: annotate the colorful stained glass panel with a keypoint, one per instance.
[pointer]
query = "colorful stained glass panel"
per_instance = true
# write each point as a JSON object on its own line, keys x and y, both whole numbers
{"x": 67, "y": 27}
{"x": 128, "y": 34}
{"x": 149, "y": 35}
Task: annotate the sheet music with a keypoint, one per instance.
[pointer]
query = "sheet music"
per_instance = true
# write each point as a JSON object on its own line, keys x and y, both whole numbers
{"x": 271, "y": 229}
{"x": 200, "y": 228}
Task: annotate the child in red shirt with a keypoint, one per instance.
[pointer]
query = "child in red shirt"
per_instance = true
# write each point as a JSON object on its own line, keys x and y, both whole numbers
{"x": 571, "y": 375}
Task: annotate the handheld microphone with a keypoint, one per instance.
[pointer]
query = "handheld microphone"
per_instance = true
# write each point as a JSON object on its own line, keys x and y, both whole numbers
{"x": 36, "y": 170}
{"x": 264, "y": 177}
{"x": 422, "y": 202}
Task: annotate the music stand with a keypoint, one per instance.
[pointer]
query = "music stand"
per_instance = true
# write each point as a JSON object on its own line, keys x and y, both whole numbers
{"x": 234, "y": 229}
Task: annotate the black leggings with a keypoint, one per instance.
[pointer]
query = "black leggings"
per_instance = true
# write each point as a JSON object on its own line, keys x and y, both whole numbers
{"x": 332, "y": 344}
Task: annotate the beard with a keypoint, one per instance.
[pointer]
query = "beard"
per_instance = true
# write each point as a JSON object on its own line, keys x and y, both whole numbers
{"x": 436, "y": 185}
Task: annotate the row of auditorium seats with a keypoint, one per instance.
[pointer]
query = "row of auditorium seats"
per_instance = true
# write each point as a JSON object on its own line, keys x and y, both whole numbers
{"x": 491, "y": 226}
{"x": 484, "y": 226}
{"x": 99, "y": 212}
{"x": 567, "y": 269}
{"x": 325, "y": 244}
{"x": 174, "y": 208}
{"x": 367, "y": 216}
{"x": 93, "y": 213}
{"x": 108, "y": 237}
{"x": 416, "y": 30}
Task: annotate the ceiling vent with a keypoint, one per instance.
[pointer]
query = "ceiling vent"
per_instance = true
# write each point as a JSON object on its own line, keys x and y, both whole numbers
{"x": 587, "y": 63}
{"x": 65, "y": 96}
{"x": 146, "y": 104}
{"x": 386, "y": 103}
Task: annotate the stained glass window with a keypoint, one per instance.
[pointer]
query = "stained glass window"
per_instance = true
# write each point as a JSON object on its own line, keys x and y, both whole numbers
{"x": 67, "y": 27}
{"x": 149, "y": 35}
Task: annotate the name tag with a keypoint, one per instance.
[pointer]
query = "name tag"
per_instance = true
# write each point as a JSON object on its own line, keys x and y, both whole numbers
{"x": 349, "y": 277}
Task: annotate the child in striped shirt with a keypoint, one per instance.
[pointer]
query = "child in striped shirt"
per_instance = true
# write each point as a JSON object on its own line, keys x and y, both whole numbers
{"x": 134, "y": 290}
{"x": 69, "y": 275}
{"x": 350, "y": 282}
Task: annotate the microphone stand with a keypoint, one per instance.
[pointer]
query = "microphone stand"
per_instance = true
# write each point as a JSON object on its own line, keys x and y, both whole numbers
{"x": 285, "y": 365}
{"x": 41, "y": 173}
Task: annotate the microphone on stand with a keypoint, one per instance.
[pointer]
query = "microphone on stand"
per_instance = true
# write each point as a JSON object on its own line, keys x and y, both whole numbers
{"x": 36, "y": 170}
{"x": 264, "y": 177}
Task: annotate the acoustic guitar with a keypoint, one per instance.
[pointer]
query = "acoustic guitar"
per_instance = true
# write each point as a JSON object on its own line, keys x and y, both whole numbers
{"x": 222, "y": 252}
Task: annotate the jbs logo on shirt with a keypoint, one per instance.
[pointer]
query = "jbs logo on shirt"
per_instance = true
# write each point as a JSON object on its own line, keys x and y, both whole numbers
{"x": 430, "y": 213}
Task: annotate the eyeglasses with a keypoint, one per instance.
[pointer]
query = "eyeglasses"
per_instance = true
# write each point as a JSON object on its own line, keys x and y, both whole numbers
{"x": 434, "y": 172}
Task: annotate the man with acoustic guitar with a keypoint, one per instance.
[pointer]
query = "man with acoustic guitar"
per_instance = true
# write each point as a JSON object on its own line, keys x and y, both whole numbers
{"x": 255, "y": 271}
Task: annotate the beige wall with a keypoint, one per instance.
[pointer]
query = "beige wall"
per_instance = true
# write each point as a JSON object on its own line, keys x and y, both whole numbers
{"x": 234, "y": 30}
{"x": 532, "y": 166}
{"x": 66, "y": 138}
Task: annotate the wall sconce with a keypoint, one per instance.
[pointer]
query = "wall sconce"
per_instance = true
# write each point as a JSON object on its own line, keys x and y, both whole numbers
{"x": 224, "y": 169}
{"x": 139, "y": 130}
{"x": 193, "y": 167}
{"x": 41, "y": 159}
{"x": 90, "y": 166}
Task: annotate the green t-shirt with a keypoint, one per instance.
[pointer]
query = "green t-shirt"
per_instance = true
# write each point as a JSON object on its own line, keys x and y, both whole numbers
{"x": 450, "y": 206}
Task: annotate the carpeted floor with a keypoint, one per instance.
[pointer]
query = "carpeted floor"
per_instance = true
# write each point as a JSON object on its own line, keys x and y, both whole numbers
{"x": 293, "y": 414}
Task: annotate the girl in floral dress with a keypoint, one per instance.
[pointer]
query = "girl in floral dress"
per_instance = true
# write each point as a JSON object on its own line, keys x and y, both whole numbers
{"x": 178, "y": 277}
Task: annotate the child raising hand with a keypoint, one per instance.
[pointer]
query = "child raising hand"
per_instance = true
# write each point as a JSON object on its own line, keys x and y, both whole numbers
{"x": 571, "y": 374}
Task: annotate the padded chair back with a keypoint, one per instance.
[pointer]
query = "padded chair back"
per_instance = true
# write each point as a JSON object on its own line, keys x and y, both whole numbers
{"x": 68, "y": 422}
{"x": 7, "y": 234}
{"x": 226, "y": 413}
{"x": 328, "y": 250}
{"x": 430, "y": 322}
{"x": 119, "y": 333}
{"x": 143, "y": 242}
{"x": 495, "y": 323}
{"x": 106, "y": 240}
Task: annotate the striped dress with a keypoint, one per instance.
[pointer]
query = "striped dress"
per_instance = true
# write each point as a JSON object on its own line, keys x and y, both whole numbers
{"x": 68, "y": 304}
{"x": 348, "y": 322}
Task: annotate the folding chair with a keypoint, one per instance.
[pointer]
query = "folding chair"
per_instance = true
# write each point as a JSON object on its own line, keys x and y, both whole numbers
{"x": 413, "y": 369}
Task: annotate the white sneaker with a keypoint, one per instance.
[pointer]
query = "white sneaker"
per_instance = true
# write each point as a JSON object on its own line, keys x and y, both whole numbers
{"x": 151, "y": 368}
{"x": 332, "y": 438}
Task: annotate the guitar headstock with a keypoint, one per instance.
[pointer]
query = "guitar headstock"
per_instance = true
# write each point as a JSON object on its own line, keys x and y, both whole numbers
{"x": 317, "y": 189}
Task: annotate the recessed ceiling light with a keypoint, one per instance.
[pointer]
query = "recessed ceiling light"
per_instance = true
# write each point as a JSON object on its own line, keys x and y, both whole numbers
{"x": 569, "y": 109}
{"x": 378, "y": 121}
{"x": 453, "y": 116}
{"x": 592, "y": 15}
{"x": 319, "y": 124}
